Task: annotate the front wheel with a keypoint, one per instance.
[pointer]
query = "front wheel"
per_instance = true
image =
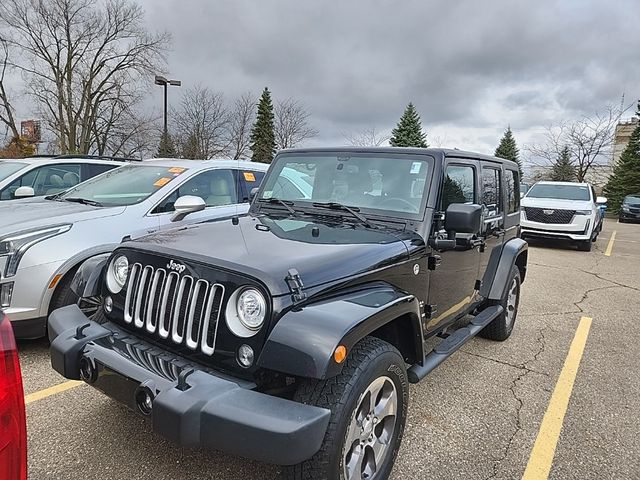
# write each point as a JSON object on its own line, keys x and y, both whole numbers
{"x": 585, "y": 245}
{"x": 368, "y": 403}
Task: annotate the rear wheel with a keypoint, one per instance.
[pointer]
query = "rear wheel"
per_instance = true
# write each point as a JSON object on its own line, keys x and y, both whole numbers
{"x": 501, "y": 327}
{"x": 368, "y": 403}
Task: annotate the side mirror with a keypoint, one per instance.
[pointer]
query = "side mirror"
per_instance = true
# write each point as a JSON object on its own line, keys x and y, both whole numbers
{"x": 463, "y": 218}
{"x": 601, "y": 200}
{"x": 253, "y": 193}
{"x": 185, "y": 205}
{"x": 24, "y": 192}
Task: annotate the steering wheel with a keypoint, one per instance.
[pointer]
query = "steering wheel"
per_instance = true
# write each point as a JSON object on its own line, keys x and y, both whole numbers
{"x": 401, "y": 201}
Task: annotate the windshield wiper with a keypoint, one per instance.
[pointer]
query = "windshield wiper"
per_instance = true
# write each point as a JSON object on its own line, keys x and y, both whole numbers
{"x": 352, "y": 210}
{"x": 84, "y": 201}
{"x": 273, "y": 200}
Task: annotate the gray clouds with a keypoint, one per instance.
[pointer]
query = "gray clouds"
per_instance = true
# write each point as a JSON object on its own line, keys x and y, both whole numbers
{"x": 470, "y": 67}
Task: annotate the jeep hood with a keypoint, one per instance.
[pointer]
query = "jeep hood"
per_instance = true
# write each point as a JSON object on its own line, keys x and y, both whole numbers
{"x": 557, "y": 203}
{"x": 19, "y": 216}
{"x": 265, "y": 248}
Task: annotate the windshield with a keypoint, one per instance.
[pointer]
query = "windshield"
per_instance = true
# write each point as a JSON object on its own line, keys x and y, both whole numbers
{"x": 631, "y": 200}
{"x": 560, "y": 192}
{"x": 124, "y": 185}
{"x": 9, "y": 168}
{"x": 375, "y": 183}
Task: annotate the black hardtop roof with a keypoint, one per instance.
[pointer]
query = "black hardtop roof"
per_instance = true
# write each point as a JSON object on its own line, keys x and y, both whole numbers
{"x": 435, "y": 152}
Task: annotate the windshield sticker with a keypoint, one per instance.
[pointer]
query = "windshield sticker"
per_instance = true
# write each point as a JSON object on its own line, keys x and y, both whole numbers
{"x": 161, "y": 182}
{"x": 267, "y": 194}
{"x": 176, "y": 170}
{"x": 415, "y": 167}
{"x": 249, "y": 176}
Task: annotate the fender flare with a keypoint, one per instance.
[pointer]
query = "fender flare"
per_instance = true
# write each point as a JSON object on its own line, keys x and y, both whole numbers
{"x": 87, "y": 280}
{"x": 69, "y": 265}
{"x": 500, "y": 264}
{"x": 303, "y": 341}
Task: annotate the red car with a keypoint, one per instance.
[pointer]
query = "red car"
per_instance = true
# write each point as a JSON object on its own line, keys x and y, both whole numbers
{"x": 13, "y": 426}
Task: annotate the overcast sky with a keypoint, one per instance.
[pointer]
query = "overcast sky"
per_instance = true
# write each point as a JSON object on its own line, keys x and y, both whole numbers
{"x": 470, "y": 67}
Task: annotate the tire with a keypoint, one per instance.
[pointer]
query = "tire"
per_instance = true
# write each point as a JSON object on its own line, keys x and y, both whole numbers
{"x": 372, "y": 366}
{"x": 621, "y": 220}
{"x": 501, "y": 327}
{"x": 63, "y": 295}
{"x": 585, "y": 245}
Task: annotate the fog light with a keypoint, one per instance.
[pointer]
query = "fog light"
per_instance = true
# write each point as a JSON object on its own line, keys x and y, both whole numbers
{"x": 5, "y": 294}
{"x": 88, "y": 372}
{"x": 108, "y": 304}
{"x": 245, "y": 356}
{"x": 144, "y": 400}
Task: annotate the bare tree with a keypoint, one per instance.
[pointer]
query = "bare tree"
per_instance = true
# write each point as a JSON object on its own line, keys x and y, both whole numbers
{"x": 6, "y": 109}
{"x": 291, "y": 124}
{"x": 203, "y": 119}
{"x": 367, "y": 137}
{"x": 588, "y": 139}
{"x": 241, "y": 118}
{"x": 78, "y": 56}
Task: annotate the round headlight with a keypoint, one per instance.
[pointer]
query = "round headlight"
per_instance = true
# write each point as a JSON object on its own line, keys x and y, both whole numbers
{"x": 117, "y": 274}
{"x": 251, "y": 307}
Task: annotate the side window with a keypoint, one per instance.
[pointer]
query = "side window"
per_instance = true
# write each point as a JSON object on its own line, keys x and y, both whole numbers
{"x": 25, "y": 180}
{"x": 512, "y": 185}
{"x": 491, "y": 191}
{"x": 91, "y": 170}
{"x": 215, "y": 187}
{"x": 459, "y": 185}
{"x": 249, "y": 179}
{"x": 50, "y": 179}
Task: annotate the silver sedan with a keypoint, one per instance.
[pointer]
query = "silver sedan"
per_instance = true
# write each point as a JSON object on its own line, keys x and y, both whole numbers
{"x": 43, "y": 243}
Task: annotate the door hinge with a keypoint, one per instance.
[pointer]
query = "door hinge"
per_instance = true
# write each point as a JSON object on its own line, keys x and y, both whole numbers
{"x": 295, "y": 285}
{"x": 478, "y": 285}
{"x": 434, "y": 262}
{"x": 431, "y": 310}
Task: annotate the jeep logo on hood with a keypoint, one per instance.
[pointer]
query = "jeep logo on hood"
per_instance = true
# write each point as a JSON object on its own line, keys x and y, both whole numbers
{"x": 177, "y": 267}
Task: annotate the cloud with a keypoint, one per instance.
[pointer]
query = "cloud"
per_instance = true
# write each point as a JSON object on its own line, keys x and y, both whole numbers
{"x": 471, "y": 68}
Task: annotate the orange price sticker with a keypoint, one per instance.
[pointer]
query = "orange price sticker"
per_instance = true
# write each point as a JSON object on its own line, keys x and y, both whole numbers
{"x": 249, "y": 176}
{"x": 176, "y": 170}
{"x": 161, "y": 182}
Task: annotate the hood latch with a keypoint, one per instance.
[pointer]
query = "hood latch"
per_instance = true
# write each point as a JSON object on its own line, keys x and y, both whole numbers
{"x": 295, "y": 285}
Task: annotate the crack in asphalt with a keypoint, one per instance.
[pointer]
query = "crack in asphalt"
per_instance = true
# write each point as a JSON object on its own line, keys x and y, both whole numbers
{"x": 525, "y": 370}
{"x": 519, "y": 366}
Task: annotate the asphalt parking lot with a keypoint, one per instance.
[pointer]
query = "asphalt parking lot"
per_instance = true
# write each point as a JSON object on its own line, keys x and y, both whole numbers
{"x": 476, "y": 417}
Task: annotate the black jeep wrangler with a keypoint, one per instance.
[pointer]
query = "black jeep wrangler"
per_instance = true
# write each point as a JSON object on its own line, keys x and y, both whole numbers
{"x": 290, "y": 334}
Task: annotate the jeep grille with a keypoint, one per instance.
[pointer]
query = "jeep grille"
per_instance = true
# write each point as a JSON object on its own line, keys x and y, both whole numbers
{"x": 549, "y": 215}
{"x": 182, "y": 309}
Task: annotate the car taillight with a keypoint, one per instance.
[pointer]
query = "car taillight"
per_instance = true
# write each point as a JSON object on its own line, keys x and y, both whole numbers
{"x": 13, "y": 426}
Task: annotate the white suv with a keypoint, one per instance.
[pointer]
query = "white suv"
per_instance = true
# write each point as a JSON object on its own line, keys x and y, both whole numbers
{"x": 562, "y": 210}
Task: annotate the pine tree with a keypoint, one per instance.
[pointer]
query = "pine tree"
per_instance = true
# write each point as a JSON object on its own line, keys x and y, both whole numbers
{"x": 563, "y": 169}
{"x": 625, "y": 178}
{"x": 508, "y": 149}
{"x": 408, "y": 132}
{"x": 263, "y": 140}
{"x": 190, "y": 148}
{"x": 166, "y": 149}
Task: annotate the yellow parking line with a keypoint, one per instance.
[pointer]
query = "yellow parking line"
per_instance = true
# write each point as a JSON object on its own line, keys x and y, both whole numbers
{"x": 610, "y": 244}
{"x": 544, "y": 448}
{"x": 47, "y": 392}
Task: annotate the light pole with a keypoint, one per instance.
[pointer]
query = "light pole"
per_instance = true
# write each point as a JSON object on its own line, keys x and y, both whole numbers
{"x": 165, "y": 83}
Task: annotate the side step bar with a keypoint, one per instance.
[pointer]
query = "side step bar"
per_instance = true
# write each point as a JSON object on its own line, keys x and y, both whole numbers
{"x": 452, "y": 343}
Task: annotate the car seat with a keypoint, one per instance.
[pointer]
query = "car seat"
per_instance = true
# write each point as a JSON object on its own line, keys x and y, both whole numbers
{"x": 70, "y": 179}
{"x": 220, "y": 191}
{"x": 56, "y": 184}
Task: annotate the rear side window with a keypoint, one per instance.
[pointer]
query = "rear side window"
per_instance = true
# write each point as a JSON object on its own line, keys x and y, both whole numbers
{"x": 491, "y": 191}
{"x": 513, "y": 194}
{"x": 249, "y": 179}
{"x": 459, "y": 185}
{"x": 92, "y": 169}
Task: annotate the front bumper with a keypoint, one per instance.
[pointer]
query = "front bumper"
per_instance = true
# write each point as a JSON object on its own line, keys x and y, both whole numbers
{"x": 629, "y": 215}
{"x": 580, "y": 229}
{"x": 191, "y": 405}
